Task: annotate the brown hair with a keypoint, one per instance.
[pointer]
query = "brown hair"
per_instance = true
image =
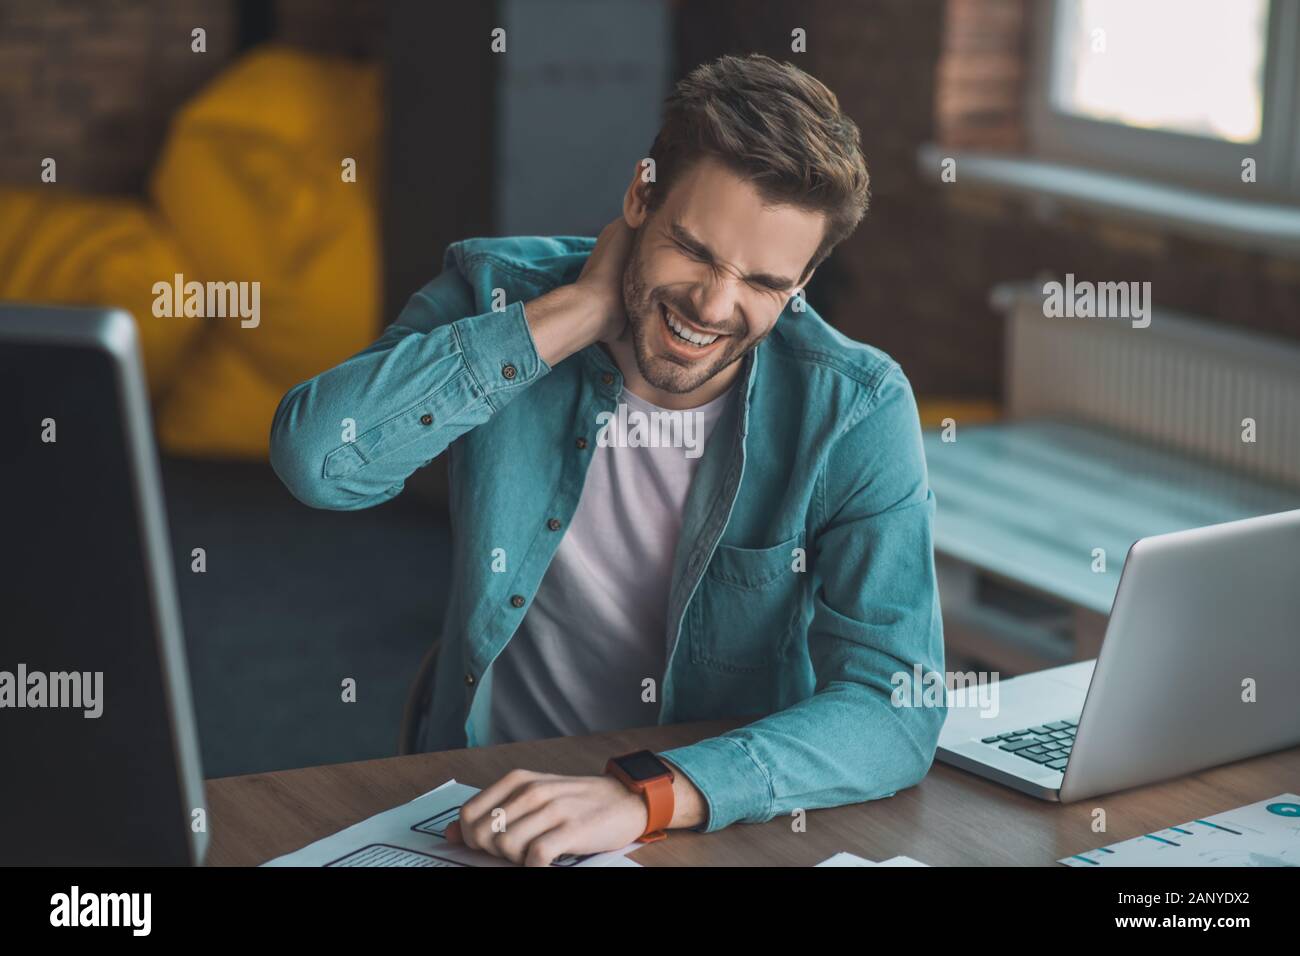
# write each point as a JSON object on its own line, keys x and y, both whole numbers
{"x": 776, "y": 126}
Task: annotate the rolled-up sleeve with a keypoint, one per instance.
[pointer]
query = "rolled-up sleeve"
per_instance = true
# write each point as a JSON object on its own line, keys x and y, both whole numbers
{"x": 351, "y": 436}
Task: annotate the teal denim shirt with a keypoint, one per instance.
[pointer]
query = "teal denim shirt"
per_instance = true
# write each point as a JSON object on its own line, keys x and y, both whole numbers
{"x": 804, "y": 577}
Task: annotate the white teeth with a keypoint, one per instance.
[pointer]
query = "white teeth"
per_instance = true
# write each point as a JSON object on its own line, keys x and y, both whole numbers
{"x": 695, "y": 338}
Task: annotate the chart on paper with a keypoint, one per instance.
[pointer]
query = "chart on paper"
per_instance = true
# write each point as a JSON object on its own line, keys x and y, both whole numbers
{"x": 1266, "y": 833}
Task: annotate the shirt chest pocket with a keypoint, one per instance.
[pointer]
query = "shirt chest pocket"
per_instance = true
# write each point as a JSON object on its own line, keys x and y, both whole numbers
{"x": 741, "y": 617}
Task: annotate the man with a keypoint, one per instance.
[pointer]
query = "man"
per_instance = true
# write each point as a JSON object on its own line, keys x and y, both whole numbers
{"x": 783, "y": 573}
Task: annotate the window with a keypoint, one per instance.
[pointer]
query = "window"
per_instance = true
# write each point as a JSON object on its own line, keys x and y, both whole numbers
{"x": 1200, "y": 93}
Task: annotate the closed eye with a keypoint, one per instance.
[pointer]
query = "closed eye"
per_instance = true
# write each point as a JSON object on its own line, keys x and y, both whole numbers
{"x": 766, "y": 283}
{"x": 699, "y": 255}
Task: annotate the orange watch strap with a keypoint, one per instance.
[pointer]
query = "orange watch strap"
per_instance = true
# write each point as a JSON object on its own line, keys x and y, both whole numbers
{"x": 659, "y": 804}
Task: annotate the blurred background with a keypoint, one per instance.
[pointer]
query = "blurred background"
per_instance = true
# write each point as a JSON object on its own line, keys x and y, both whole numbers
{"x": 1010, "y": 142}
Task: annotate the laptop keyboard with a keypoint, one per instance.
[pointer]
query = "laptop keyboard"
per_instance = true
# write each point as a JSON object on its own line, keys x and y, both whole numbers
{"x": 1047, "y": 744}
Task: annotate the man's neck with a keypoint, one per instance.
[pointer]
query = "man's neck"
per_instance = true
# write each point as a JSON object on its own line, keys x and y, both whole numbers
{"x": 625, "y": 358}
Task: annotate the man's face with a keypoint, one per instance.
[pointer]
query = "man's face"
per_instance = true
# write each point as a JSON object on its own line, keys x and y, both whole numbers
{"x": 709, "y": 272}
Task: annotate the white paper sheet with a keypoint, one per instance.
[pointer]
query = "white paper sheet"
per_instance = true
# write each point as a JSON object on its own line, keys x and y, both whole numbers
{"x": 848, "y": 859}
{"x": 412, "y": 835}
{"x": 1261, "y": 834}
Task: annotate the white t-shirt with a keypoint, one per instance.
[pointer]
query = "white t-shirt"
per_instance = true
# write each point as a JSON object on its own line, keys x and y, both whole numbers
{"x": 597, "y": 627}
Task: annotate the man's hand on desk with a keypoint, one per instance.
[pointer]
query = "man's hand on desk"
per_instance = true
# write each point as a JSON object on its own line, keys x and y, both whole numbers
{"x": 547, "y": 815}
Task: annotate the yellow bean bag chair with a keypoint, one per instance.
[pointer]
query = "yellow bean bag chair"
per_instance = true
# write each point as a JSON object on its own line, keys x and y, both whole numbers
{"x": 251, "y": 182}
{"x": 249, "y": 188}
{"x": 76, "y": 250}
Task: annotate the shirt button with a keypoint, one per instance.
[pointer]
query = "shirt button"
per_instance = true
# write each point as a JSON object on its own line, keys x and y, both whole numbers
{"x": 509, "y": 371}
{"x": 517, "y": 600}
{"x": 469, "y": 680}
{"x": 553, "y": 524}
{"x": 581, "y": 443}
{"x": 426, "y": 419}
{"x": 607, "y": 379}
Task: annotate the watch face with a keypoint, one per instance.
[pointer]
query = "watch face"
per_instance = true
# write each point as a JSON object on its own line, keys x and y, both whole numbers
{"x": 642, "y": 765}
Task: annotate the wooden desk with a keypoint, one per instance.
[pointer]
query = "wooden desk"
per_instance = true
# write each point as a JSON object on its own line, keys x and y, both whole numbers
{"x": 951, "y": 819}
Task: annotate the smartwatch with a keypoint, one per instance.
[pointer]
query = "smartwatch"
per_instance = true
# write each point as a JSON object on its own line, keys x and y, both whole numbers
{"x": 644, "y": 773}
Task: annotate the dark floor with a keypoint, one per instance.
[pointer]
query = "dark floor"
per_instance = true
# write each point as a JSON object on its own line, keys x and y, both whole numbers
{"x": 293, "y": 602}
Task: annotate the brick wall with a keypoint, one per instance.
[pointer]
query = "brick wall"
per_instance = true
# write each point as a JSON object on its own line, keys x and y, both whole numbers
{"x": 981, "y": 74}
{"x": 93, "y": 83}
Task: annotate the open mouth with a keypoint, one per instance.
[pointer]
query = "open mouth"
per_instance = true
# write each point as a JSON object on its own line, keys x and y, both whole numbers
{"x": 685, "y": 337}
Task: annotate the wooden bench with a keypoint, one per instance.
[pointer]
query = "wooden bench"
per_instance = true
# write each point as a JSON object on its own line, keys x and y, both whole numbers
{"x": 1112, "y": 434}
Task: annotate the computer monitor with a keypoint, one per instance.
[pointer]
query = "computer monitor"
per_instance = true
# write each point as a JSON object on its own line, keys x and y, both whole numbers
{"x": 98, "y": 752}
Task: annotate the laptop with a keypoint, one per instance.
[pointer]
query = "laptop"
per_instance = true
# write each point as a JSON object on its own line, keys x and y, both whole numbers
{"x": 1200, "y": 666}
{"x": 98, "y": 751}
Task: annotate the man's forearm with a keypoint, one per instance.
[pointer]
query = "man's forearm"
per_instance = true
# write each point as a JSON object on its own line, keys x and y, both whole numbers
{"x": 564, "y": 321}
{"x": 689, "y": 806}
{"x": 437, "y": 372}
{"x": 568, "y": 319}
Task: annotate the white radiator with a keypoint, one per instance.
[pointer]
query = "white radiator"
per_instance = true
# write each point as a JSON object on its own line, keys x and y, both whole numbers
{"x": 1181, "y": 382}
